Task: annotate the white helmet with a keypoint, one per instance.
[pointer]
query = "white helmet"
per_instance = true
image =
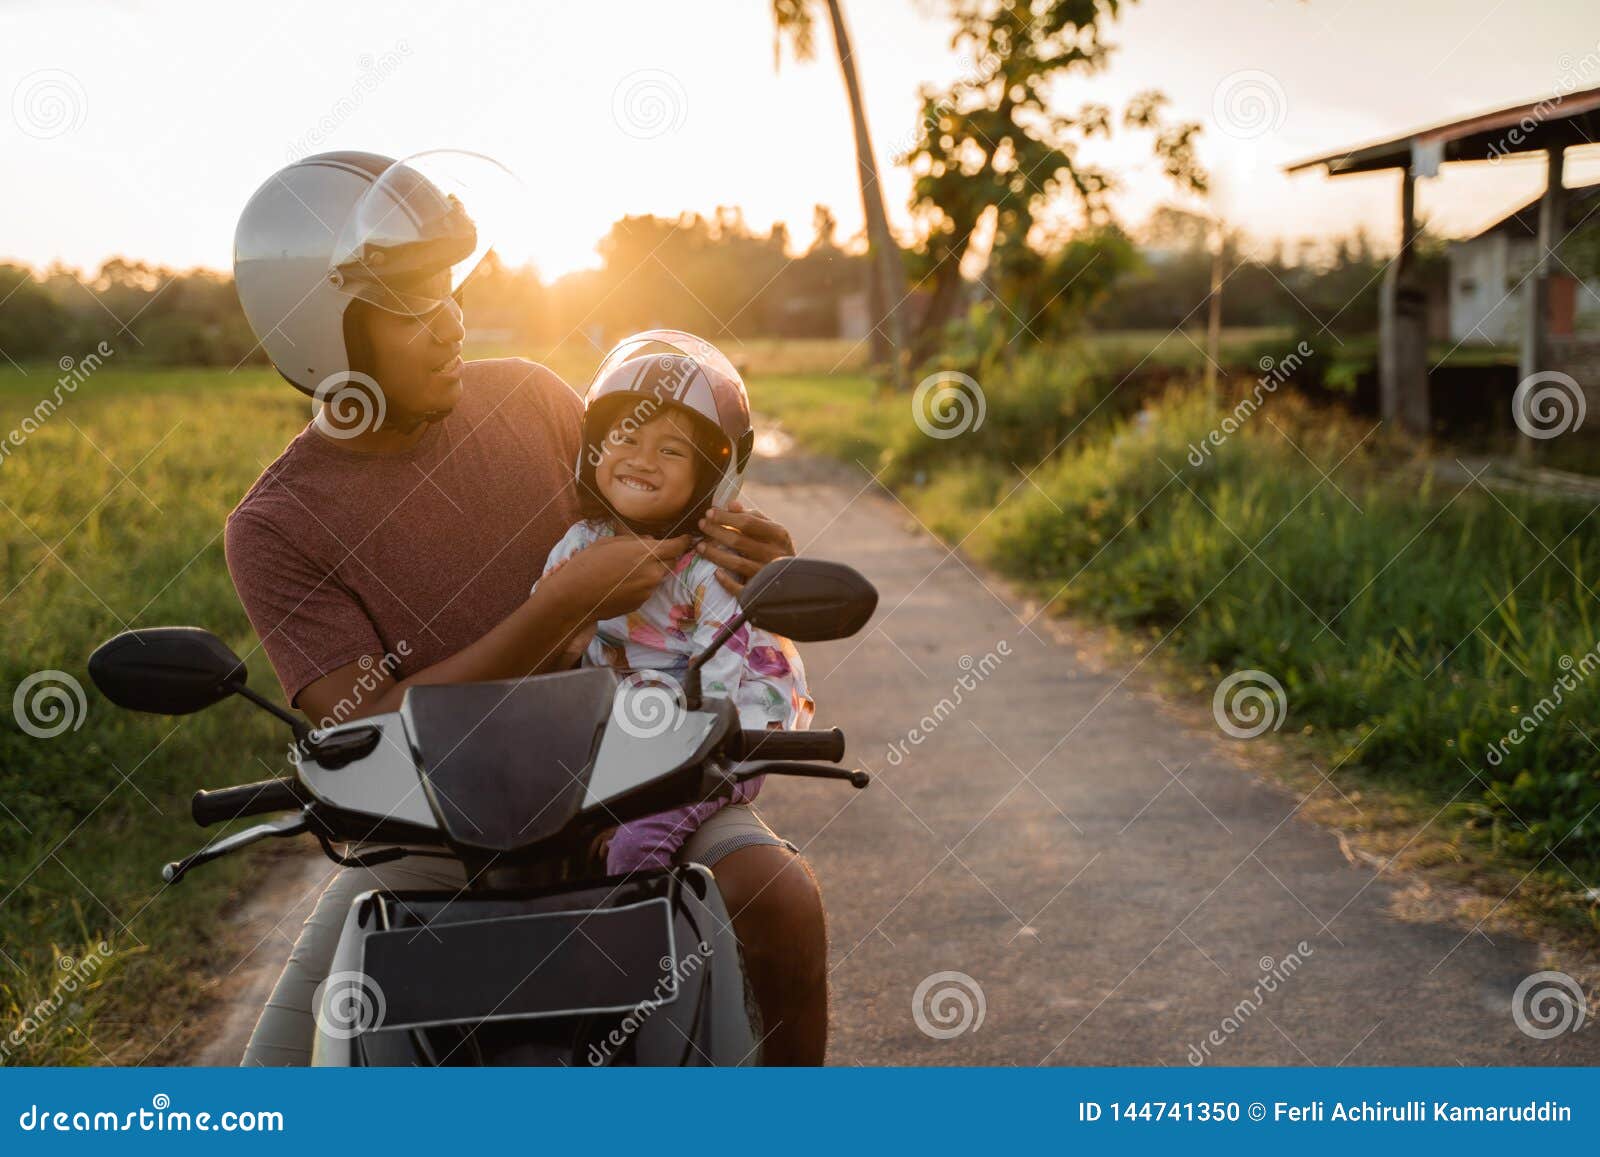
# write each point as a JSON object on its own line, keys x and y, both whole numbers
{"x": 331, "y": 228}
{"x": 670, "y": 368}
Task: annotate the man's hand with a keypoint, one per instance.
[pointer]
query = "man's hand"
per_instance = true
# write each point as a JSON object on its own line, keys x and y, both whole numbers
{"x": 616, "y": 575}
{"x": 740, "y": 541}
{"x": 600, "y": 849}
{"x": 576, "y": 645}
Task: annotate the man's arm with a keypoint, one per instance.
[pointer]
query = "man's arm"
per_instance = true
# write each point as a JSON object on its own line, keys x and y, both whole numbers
{"x": 610, "y": 578}
{"x": 518, "y": 645}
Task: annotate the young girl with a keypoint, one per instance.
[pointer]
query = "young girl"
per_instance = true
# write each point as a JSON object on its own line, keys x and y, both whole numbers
{"x": 666, "y": 436}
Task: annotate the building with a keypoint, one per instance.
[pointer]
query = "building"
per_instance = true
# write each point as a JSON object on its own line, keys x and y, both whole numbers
{"x": 1567, "y": 119}
{"x": 1489, "y": 279}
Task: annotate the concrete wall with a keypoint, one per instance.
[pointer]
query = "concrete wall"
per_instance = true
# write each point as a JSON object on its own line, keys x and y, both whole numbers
{"x": 1480, "y": 311}
{"x": 1486, "y": 299}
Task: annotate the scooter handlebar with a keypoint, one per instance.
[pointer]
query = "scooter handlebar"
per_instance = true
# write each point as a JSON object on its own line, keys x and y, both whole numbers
{"x": 826, "y": 745}
{"x": 248, "y": 799}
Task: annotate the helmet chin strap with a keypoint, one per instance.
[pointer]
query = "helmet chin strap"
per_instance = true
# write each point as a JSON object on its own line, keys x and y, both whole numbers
{"x": 407, "y": 422}
{"x": 395, "y": 420}
{"x": 685, "y": 522}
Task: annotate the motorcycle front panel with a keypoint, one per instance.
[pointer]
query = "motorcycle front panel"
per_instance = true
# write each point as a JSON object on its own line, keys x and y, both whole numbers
{"x": 644, "y": 971}
{"x": 382, "y": 784}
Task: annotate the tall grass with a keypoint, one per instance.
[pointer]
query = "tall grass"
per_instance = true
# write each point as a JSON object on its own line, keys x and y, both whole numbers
{"x": 1413, "y": 624}
{"x": 111, "y": 518}
{"x": 1416, "y": 623}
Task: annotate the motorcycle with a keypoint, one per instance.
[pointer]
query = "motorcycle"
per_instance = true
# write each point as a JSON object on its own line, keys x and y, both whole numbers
{"x": 538, "y": 960}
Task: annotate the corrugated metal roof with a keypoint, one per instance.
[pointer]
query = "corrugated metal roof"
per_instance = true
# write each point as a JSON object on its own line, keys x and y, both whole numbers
{"x": 1571, "y": 118}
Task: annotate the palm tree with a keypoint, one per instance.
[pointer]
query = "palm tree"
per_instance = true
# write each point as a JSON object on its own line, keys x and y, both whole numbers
{"x": 794, "y": 19}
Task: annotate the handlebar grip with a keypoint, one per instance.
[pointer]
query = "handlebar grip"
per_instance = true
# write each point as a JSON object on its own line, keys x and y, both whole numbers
{"x": 248, "y": 799}
{"x": 828, "y": 745}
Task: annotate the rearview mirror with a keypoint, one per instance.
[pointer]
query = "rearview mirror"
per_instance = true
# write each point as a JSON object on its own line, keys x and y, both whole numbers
{"x": 809, "y": 600}
{"x": 166, "y": 670}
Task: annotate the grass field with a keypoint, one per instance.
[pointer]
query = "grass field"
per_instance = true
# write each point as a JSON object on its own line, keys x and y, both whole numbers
{"x": 112, "y": 513}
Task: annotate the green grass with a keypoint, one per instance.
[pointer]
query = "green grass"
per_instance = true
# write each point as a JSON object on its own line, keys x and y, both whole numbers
{"x": 1180, "y": 349}
{"x": 1411, "y": 625}
{"x": 112, "y": 515}
{"x": 849, "y": 417}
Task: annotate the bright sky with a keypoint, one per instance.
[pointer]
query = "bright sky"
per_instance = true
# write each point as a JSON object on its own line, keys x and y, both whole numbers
{"x": 142, "y": 127}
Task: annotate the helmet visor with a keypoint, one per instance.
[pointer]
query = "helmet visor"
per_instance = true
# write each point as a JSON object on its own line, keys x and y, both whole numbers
{"x": 422, "y": 229}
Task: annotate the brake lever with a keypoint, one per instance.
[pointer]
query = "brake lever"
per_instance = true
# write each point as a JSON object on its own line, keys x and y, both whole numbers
{"x": 857, "y": 779}
{"x": 284, "y": 826}
{"x": 344, "y": 747}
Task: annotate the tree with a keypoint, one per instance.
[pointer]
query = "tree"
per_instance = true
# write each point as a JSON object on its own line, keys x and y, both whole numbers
{"x": 992, "y": 150}
{"x": 1048, "y": 290}
{"x": 32, "y": 324}
{"x": 794, "y": 19}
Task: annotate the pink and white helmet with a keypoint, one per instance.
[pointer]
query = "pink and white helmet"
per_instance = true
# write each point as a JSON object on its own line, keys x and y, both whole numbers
{"x": 668, "y": 367}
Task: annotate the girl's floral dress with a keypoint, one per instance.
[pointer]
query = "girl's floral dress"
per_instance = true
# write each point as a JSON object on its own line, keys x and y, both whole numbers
{"x": 761, "y": 672}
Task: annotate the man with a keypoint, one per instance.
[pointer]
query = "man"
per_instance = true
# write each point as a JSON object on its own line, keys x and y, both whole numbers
{"x": 394, "y": 541}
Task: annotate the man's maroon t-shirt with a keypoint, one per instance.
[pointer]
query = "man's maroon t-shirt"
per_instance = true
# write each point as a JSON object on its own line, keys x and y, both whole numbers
{"x": 408, "y": 557}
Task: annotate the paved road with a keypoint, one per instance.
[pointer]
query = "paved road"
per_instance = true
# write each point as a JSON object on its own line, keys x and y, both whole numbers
{"x": 1109, "y": 881}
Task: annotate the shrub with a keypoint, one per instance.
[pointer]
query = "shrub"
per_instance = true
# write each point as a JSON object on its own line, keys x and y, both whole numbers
{"x": 1022, "y": 410}
{"x": 1425, "y": 626}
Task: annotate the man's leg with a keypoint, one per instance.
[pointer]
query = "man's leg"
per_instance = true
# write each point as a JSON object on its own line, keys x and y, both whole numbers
{"x": 777, "y": 914}
{"x": 285, "y": 1030}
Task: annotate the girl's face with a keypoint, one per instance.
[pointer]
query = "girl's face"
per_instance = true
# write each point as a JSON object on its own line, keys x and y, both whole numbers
{"x": 647, "y": 471}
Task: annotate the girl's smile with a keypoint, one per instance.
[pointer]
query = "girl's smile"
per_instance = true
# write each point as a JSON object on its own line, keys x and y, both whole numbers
{"x": 647, "y": 470}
